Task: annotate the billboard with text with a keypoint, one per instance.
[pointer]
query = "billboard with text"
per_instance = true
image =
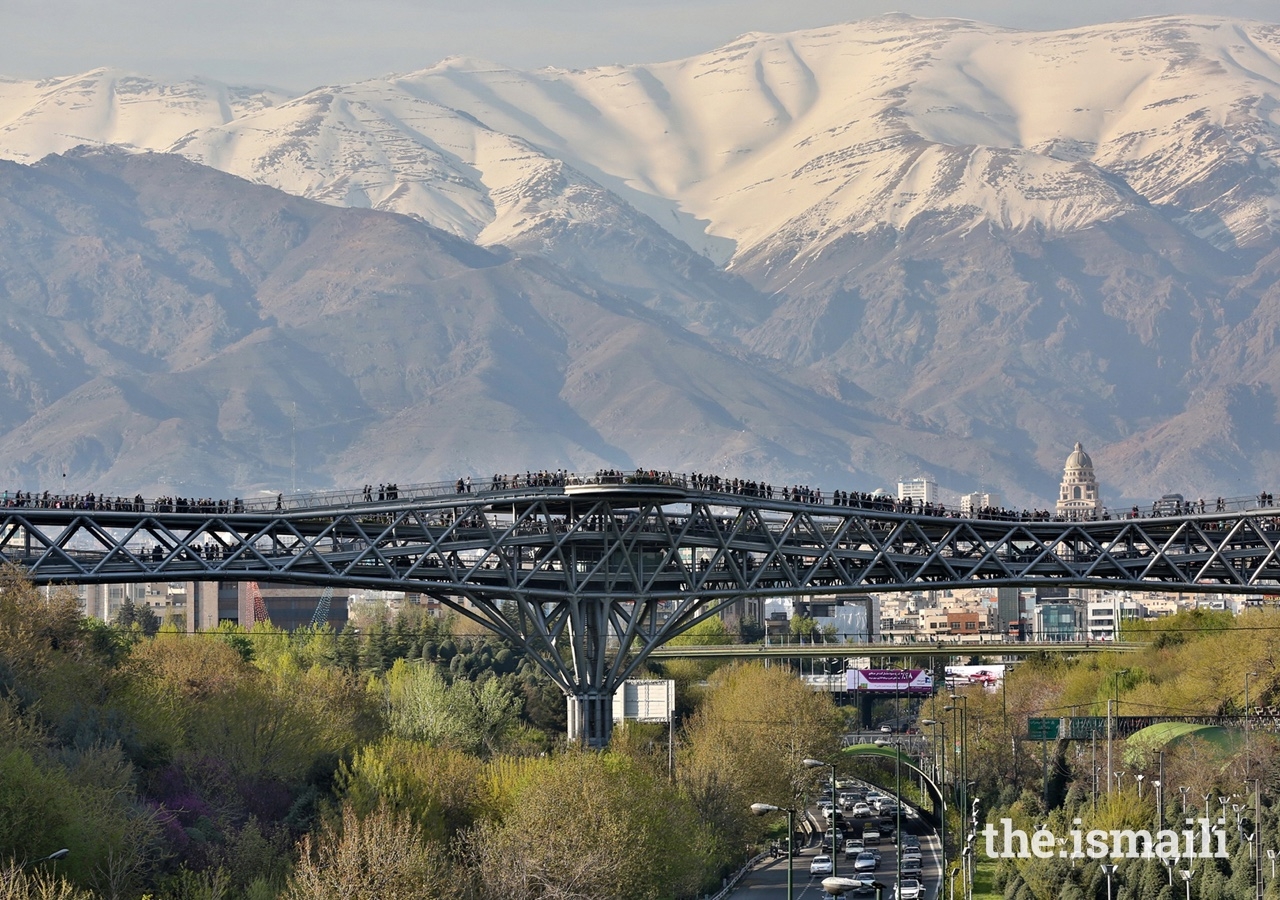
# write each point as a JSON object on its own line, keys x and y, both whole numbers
{"x": 890, "y": 681}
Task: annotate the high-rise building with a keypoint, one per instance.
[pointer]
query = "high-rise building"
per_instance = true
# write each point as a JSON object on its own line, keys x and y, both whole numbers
{"x": 1008, "y": 610}
{"x": 978, "y": 500}
{"x": 920, "y": 490}
{"x": 1078, "y": 497}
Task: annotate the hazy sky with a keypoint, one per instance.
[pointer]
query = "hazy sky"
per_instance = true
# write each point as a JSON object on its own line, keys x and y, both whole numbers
{"x": 300, "y": 44}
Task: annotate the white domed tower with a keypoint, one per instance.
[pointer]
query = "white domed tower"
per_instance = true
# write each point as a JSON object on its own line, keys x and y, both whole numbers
{"x": 1079, "y": 497}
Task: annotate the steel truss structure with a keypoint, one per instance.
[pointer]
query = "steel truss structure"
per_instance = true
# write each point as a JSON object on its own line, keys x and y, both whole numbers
{"x": 605, "y": 573}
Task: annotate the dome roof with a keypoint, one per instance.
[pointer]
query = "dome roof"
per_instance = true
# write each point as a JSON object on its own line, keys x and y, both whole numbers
{"x": 1079, "y": 459}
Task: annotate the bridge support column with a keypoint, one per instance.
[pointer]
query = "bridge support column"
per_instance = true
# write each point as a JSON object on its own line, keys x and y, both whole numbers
{"x": 591, "y": 694}
{"x": 591, "y": 719}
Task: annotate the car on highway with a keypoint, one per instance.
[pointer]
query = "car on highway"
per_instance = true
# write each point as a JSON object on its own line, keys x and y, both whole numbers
{"x": 865, "y": 862}
{"x": 852, "y": 848}
{"x": 860, "y": 811}
{"x": 911, "y": 865}
{"x": 863, "y": 883}
{"x": 821, "y": 865}
{"x": 910, "y": 889}
{"x": 886, "y": 729}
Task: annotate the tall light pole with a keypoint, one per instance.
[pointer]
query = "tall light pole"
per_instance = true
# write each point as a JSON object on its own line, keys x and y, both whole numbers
{"x": 1111, "y": 728}
{"x": 964, "y": 745}
{"x": 1186, "y": 879}
{"x": 1108, "y": 869}
{"x": 1247, "y": 676}
{"x": 760, "y": 809}
{"x": 817, "y": 764}
{"x": 1257, "y": 838}
{"x": 942, "y": 788}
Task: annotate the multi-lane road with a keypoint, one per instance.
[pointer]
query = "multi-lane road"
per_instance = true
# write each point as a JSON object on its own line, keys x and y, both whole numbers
{"x": 768, "y": 881}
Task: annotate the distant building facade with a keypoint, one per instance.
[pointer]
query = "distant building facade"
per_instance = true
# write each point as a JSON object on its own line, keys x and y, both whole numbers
{"x": 970, "y": 503}
{"x": 919, "y": 490}
{"x": 1058, "y": 621}
{"x": 1078, "y": 497}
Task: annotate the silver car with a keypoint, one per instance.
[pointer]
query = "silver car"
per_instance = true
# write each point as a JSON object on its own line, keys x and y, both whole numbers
{"x": 866, "y": 862}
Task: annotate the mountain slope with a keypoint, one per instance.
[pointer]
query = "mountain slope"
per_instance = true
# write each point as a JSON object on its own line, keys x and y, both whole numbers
{"x": 172, "y": 329}
{"x": 992, "y": 243}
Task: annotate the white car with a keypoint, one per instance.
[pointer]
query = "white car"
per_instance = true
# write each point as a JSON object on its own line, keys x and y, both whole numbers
{"x": 860, "y": 811}
{"x": 821, "y": 865}
{"x": 910, "y": 890}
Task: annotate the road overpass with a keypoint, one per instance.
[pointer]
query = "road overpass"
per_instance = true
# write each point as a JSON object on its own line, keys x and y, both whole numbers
{"x": 1006, "y": 649}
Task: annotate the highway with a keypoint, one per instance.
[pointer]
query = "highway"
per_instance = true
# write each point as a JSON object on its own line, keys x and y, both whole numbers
{"x": 768, "y": 881}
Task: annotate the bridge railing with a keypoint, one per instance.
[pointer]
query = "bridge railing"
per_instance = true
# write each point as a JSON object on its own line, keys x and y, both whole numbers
{"x": 522, "y": 484}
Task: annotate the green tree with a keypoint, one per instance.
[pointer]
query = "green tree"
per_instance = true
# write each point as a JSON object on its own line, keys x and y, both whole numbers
{"x": 440, "y": 789}
{"x": 465, "y": 715}
{"x": 140, "y": 617}
{"x": 753, "y": 731}
{"x": 803, "y": 627}
{"x": 379, "y": 856}
{"x": 589, "y": 825}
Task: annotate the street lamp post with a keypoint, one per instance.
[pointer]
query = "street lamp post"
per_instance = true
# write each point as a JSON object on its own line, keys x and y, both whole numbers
{"x": 817, "y": 764}
{"x": 942, "y": 830}
{"x": 1247, "y": 676}
{"x": 1108, "y": 869}
{"x": 1186, "y": 879}
{"x": 969, "y": 839}
{"x": 1111, "y": 721}
{"x": 1184, "y": 790}
{"x": 760, "y": 809}
{"x": 963, "y": 734}
{"x": 52, "y": 857}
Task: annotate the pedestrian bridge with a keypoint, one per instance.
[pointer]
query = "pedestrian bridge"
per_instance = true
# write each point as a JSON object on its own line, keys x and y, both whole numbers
{"x": 611, "y": 566}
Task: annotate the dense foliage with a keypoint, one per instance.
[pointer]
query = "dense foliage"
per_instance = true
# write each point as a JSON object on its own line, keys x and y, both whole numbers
{"x": 407, "y": 759}
{"x": 1198, "y": 663}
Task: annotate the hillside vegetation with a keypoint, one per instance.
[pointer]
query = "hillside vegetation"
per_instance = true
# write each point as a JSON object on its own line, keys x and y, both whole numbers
{"x": 401, "y": 762}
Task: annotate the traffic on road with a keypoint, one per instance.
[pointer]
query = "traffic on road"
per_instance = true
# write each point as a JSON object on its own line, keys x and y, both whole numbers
{"x": 852, "y": 848}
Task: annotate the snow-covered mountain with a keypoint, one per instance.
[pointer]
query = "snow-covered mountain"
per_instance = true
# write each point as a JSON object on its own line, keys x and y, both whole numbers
{"x": 1002, "y": 239}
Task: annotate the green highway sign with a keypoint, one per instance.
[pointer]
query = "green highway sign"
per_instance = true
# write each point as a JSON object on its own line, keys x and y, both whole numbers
{"x": 1043, "y": 729}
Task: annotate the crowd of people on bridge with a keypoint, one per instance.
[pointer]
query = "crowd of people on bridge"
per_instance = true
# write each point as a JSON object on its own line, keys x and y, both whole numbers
{"x": 102, "y": 503}
{"x": 1169, "y": 505}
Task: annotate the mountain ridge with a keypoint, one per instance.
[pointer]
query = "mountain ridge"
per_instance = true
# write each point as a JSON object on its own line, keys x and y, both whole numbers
{"x": 997, "y": 240}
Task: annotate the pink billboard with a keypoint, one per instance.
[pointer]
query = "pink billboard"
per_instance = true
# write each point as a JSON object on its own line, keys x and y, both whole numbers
{"x": 890, "y": 681}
